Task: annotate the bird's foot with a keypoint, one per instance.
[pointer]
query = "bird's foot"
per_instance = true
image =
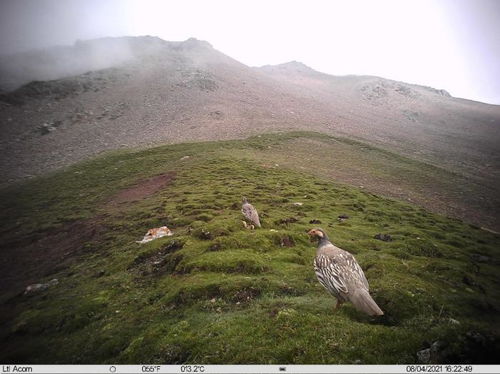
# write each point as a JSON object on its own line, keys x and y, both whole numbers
{"x": 247, "y": 226}
{"x": 337, "y": 306}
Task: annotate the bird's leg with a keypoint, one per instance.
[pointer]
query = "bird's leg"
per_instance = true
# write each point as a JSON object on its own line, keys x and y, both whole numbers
{"x": 252, "y": 227}
{"x": 339, "y": 304}
{"x": 245, "y": 224}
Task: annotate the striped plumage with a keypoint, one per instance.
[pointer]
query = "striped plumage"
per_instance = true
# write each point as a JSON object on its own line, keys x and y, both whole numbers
{"x": 339, "y": 272}
{"x": 250, "y": 213}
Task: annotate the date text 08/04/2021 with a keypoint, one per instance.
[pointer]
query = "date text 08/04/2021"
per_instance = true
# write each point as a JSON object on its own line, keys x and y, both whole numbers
{"x": 439, "y": 369}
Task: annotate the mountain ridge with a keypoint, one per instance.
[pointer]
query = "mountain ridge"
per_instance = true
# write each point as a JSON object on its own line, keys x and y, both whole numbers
{"x": 173, "y": 92}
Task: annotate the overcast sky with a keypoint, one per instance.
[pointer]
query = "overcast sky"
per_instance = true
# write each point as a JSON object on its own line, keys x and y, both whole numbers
{"x": 450, "y": 44}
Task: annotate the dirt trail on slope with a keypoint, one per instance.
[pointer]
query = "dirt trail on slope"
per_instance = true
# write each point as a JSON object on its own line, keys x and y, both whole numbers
{"x": 29, "y": 259}
{"x": 142, "y": 190}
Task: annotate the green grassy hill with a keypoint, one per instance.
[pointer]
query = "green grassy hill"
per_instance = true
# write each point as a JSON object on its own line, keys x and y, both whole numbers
{"x": 218, "y": 293}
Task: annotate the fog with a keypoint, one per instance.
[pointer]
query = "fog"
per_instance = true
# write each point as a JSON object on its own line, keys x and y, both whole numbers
{"x": 449, "y": 44}
{"x": 58, "y": 62}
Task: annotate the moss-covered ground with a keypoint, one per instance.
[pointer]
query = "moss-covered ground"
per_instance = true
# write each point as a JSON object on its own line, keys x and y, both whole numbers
{"x": 216, "y": 292}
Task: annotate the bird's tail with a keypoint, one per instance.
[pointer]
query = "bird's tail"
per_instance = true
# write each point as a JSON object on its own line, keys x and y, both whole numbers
{"x": 363, "y": 302}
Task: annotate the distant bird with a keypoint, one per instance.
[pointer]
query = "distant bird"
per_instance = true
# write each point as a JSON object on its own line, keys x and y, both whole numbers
{"x": 339, "y": 272}
{"x": 250, "y": 213}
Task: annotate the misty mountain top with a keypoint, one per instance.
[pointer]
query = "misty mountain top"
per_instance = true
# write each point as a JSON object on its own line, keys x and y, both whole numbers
{"x": 83, "y": 56}
{"x": 289, "y": 67}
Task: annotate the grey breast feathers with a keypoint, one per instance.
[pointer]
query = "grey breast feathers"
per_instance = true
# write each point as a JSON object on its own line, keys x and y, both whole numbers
{"x": 339, "y": 272}
{"x": 251, "y": 214}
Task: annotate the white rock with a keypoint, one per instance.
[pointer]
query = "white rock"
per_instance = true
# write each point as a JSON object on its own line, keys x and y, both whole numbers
{"x": 37, "y": 287}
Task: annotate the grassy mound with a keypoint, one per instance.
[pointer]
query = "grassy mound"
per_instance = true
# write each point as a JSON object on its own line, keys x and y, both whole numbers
{"x": 218, "y": 293}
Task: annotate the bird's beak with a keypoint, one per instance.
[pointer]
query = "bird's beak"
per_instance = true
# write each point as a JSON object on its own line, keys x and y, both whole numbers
{"x": 312, "y": 235}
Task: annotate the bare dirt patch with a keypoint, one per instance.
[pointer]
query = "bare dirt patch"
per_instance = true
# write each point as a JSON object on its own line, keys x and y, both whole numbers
{"x": 28, "y": 260}
{"x": 142, "y": 189}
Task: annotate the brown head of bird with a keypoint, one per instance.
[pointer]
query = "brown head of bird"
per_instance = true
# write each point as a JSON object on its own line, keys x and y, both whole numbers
{"x": 317, "y": 234}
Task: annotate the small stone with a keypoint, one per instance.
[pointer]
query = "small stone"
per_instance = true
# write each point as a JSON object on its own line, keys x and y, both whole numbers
{"x": 100, "y": 273}
{"x": 46, "y": 128}
{"x": 476, "y": 337}
{"x": 424, "y": 356}
{"x": 383, "y": 237}
{"x": 437, "y": 346}
{"x": 38, "y": 287}
{"x": 206, "y": 235}
{"x": 479, "y": 258}
{"x": 432, "y": 354}
{"x": 297, "y": 204}
{"x": 287, "y": 242}
{"x": 286, "y": 221}
{"x": 34, "y": 288}
{"x": 212, "y": 300}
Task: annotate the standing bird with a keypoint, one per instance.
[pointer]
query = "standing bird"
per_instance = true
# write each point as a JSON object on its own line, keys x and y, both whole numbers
{"x": 339, "y": 272}
{"x": 250, "y": 213}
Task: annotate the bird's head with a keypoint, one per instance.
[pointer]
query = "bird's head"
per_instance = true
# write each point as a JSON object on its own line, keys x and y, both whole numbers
{"x": 244, "y": 200}
{"x": 317, "y": 234}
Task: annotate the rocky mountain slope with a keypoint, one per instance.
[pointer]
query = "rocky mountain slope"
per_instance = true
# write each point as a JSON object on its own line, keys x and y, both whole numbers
{"x": 422, "y": 122}
{"x": 139, "y": 91}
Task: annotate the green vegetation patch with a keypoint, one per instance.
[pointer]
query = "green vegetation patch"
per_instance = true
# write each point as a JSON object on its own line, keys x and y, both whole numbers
{"x": 216, "y": 292}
